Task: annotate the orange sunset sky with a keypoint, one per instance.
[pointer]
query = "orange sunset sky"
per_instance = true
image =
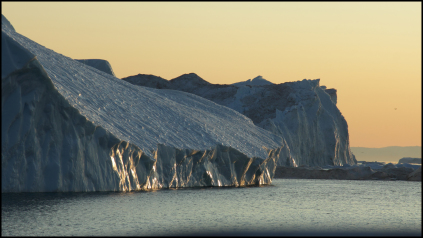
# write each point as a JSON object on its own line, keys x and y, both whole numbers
{"x": 369, "y": 51}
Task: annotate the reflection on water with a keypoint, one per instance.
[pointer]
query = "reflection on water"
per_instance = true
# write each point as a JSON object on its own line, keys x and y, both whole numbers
{"x": 287, "y": 207}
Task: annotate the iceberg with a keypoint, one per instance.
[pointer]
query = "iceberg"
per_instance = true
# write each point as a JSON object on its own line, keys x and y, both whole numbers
{"x": 410, "y": 160}
{"x": 69, "y": 127}
{"x": 303, "y": 113}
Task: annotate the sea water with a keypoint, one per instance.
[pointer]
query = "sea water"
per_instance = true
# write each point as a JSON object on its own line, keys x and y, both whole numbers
{"x": 287, "y": 207}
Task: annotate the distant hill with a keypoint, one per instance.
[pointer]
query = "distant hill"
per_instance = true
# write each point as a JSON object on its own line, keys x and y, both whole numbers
{"x": 386, "y": 154}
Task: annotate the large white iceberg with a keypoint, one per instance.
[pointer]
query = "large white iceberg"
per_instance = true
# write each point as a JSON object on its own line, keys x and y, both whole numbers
{"x": 303, "y": 113}
{"x": 67, "y": 126}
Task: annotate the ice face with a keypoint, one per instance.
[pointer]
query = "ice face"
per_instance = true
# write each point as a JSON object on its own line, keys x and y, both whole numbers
{"x": 68, "y": 127}
{"x": 315, "y": 131}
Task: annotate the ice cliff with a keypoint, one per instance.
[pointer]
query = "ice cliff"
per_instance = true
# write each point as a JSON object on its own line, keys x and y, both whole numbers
{"x": 67, "y": 126}
{"x": 303, "y": 113}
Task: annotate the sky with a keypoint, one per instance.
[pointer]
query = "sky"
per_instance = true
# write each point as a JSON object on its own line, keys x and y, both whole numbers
{"x": 369, "y": 51}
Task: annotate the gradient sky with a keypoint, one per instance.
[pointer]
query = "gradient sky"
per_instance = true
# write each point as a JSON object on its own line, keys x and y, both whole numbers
{"x": 369, "y": 51}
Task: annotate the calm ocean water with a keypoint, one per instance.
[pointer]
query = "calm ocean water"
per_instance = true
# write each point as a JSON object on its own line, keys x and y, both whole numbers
{"x": 287, "y": 207}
